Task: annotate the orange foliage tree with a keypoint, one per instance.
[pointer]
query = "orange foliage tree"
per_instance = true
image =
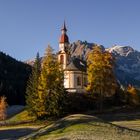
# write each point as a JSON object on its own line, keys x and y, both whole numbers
{"x": 3, "y": 106}
{"x": 133, "y": 95}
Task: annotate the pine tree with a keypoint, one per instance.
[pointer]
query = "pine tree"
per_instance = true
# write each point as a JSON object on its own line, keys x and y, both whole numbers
{"x": 101, "y": 79}
{"x": 51, "y": 90}
{"x": 32, "y": 88}
{"x": 3, "y": 106}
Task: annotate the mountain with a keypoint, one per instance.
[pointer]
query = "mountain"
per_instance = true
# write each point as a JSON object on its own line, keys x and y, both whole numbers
{"x": 128, "y": 64}
{"x": 81, "y": 49}
{"x": 13, "y": 78}
{"x": 127, "y": 60}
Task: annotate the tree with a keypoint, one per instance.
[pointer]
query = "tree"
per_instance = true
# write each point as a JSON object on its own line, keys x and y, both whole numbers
{"x": 133, "y": 95}
{"x": 32, "y": 88}
{"x": 3, "y": 106}
{"x": 51, "y": 89}
{"x": 101, "y": 79}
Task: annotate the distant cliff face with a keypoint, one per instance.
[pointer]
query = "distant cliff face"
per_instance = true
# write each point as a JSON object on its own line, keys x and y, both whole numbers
{"x": 128, "y": 64}
{"x": 81, "y": 49}
{"x": 127, "y": 60}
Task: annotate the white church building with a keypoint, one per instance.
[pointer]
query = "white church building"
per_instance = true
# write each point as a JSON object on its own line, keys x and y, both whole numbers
{"x": 75, "y": 76}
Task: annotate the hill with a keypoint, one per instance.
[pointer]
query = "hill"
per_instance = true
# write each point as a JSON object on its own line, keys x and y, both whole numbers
{"x": 13, "y": 77}
{"x": 84, "y": 127}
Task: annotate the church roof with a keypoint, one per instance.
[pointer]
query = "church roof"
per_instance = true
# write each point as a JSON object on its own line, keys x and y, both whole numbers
{"x": 76, "y": 65}
{"x": 64, "y": 39}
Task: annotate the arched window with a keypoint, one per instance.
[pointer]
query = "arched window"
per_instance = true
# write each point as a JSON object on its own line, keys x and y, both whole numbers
{"x": 78, "y": 81}
{"x": 62, "y": 59}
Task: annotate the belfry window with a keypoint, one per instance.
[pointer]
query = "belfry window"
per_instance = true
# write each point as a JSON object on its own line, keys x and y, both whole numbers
{"x": 61, "y": 59}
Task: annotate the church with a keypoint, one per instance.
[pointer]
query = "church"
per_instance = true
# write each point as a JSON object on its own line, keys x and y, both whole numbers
{"x": 75, "y": 76}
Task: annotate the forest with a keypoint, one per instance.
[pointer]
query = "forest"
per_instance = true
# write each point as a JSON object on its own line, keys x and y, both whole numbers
{"x": 13, "y": 78}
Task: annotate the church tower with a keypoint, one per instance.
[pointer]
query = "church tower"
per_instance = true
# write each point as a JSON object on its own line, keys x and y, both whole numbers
{"x": 63, "y": 55}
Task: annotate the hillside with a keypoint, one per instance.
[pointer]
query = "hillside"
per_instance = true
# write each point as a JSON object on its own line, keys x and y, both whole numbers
{"x": 84, "y": 127}
{"x": 13, "y": 77}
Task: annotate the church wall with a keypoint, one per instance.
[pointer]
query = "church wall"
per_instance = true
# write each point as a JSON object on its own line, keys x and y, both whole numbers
{"x": 71, "y": 80}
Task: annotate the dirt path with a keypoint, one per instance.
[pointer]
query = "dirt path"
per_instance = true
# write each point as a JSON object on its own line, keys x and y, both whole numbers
{"x": 14, "y": 133}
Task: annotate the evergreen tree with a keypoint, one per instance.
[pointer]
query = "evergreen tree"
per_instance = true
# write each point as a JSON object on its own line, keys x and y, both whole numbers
{"x": 51, "y": 90}
{"x": 32, "y": 88}
{"x": 101, "y": 79}
{"x": 3, "y": 106}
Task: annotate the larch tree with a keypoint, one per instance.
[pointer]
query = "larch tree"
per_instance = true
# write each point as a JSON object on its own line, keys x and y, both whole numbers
{"x": 133, "y": 96}
{"x": 51, "y": 89}
{"x": 3, "y": 108}
{"x": 32, "y": 88}
{"x": 101, "y": 78}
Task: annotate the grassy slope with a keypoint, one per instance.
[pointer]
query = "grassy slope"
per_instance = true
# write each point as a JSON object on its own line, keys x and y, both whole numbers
{"x": 21, "y": 117}
{"x": 83, "y": 127}
{"x": 20, "y": 120}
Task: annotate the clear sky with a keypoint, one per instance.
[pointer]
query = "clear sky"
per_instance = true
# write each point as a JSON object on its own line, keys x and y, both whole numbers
{"x": 28, "y": 26}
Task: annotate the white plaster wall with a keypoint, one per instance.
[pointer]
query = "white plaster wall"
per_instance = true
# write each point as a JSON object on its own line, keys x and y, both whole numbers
{"x": 66, "y": 79}
{"x": 70, "y": 81}
{"x": 61, "y": 47}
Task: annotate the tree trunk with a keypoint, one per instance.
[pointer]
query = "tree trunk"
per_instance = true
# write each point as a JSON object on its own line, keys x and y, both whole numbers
{"x": 101, "y": 102}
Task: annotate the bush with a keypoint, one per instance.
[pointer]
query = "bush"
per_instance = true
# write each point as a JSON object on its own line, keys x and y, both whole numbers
{"x": 79, "y": 102}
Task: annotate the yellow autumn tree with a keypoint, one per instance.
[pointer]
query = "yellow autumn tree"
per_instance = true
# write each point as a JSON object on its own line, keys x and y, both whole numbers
{"x": 3, "y": 106}
{"x": 133, "y": 97}
{"x": 51, "y": 89}
{"x": 100, "y": 70}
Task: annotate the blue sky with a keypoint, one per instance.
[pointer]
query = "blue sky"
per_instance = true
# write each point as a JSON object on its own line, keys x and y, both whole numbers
{"x": 28, "y": 26}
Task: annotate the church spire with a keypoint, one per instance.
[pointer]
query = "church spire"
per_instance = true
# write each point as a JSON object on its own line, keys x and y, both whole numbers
{"x": 64, "y": 38}
{"x": 64, "y": 27}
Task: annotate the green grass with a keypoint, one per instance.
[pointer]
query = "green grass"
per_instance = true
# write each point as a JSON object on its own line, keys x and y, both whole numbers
{"x": 83, "y": 127}
{"x": 21, "y": 117}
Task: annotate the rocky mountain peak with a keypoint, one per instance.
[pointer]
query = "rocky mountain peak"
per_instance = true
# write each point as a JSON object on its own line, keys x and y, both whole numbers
{"x": 121, "y": 50}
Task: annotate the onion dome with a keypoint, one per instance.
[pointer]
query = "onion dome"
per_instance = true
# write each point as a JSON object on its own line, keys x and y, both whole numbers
{"x": 64, "y": 39}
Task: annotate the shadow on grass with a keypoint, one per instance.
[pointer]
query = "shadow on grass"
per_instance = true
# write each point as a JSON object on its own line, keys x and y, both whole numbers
{"x": 13, "y": 134}
{"x": 120, "y": 116}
